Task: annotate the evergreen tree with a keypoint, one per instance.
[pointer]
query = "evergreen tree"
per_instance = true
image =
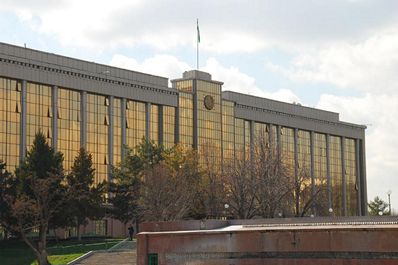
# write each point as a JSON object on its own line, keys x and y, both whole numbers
{"x": 378, "y": 206}
{"x": 7, "y": 190}
{"x": 84, "y": 198}
{"x": 39, "y": 195}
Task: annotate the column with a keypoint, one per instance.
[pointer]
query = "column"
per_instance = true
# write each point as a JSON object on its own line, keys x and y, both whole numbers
{"x": 160, "y": 125}
{"x": 110, "y": 137}
{"x": 148, "y": 121}
{"x": 358, "y": 179}
{"x": 297, "y": 187}
{"x": 270, "y": 136}
{"x": 22, "y": 147}
{"x": 177, "y": 123}
{"x": 312, "y": 135}
{"x": 329, "y": 182}
{"x": 363, "y": 187}
{"x": 278, "y": 141}
{"x": 54, "y": 119}
{"x": 123, "y": 107}
{"x": 83, "y": 124}
{"x": 344, "y": 201}
{"x": 252, "y": 126}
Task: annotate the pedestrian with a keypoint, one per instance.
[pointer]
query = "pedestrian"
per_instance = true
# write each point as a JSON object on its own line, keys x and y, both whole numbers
{"x": 131, "y": 232}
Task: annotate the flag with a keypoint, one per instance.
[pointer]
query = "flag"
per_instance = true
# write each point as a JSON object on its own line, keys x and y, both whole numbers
{"x": 197, "y": 27}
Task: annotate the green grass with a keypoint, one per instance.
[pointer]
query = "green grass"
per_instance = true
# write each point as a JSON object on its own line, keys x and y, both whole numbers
{"x": 18, "y": 253}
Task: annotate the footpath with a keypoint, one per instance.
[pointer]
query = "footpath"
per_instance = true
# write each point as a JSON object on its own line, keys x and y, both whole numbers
{"x": 124, "y": 253}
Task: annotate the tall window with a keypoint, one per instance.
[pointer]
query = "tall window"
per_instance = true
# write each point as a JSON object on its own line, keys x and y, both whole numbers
{"x": 336, "y": 174}
{"x": 304, "y": 166}
{"x": 117, "y": 131}
{"x": 247, "y": 140}
{"x": 10, "y": 118}
{"x": 239, "y": 138}
{"x": 168, "y": 126}
{"x": 228, "y": 129}
{"x": 320, "y": 169}
{"x": 68, "y": 116}
{"x": 135, "y": 123}
{"x": 304, "y": 152}
{"x": 287, "y": 141}
{"x": 186, "y": 120}
{"x": 97, "y": 134}
{"x": 261, "y": 136}
{"x": 154, "y": 124}
{"x": 38, "y": 112}
{"x": 351, "y": 177}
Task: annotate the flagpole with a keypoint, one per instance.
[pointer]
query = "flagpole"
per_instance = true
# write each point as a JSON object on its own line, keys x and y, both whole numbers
{"x": 197, "y": 44}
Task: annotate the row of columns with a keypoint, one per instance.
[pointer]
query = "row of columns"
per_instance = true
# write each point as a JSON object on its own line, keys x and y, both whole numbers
{"x": 360, "y": 148}
{"x": 83, "y": 122}
{"x": 360, "y": 170}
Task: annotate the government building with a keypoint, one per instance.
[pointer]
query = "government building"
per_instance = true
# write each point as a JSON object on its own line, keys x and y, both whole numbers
{"x": 103, "y": 108}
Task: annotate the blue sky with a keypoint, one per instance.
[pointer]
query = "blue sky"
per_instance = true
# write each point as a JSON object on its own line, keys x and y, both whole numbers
{"x": 338, "y": 55}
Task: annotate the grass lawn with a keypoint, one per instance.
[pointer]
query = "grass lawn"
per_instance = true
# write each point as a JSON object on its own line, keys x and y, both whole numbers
{"x": 18, "y": 253}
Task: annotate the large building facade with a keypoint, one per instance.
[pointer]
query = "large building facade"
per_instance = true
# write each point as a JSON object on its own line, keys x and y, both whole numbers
{"x": 77, "y": 103}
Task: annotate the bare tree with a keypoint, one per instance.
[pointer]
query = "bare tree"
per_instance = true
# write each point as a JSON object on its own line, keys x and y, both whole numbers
{"x": 241, "y": 189}
{"x": 169, "y": 188}
{"x": 309, "y": 197}
{"x": 272, "y": 182}
{"x": 212, "y": 186}
{"x": 258, "y": 183}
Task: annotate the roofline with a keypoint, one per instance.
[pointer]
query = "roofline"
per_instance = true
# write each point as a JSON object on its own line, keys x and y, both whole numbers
{"x": 80, "y": 60}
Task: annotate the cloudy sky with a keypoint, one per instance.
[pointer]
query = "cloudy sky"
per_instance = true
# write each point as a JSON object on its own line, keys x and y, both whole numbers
{"x": 338, "y": 55}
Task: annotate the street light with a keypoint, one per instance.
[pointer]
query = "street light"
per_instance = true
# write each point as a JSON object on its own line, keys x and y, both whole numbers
{"x": 331, "y": 211}
{"x": 226, "y": 206}
{"x": 389, "y": 201}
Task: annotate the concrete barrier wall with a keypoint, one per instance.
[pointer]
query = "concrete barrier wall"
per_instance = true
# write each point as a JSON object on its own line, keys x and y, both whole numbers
{"x": 182, "y": 225}
{"x": 349, "y": 246}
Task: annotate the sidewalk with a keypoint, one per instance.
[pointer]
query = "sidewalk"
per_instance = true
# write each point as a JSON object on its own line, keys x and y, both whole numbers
{"x": 123, "y": 253}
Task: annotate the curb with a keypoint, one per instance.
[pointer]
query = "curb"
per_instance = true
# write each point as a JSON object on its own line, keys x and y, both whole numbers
{"x": 114, "y": 248}
{"x": 82, "y": 257}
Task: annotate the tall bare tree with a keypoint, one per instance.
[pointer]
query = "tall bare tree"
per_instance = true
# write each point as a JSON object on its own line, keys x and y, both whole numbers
{"x": 169, "y": 188}
{"x": 240, "y": 189}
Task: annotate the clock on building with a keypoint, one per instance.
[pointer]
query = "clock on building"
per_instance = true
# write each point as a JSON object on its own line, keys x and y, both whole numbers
{"x": 209, "y": 102}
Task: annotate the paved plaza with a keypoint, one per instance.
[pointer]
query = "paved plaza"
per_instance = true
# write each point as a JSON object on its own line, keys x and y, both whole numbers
{"x": 123, "y": 253}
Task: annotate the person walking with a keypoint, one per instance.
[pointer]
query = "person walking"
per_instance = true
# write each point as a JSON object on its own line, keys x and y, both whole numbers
{"x": 131, "y": 232}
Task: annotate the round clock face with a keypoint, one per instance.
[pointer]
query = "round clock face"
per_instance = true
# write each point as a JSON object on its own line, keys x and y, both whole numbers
{"x": 209, "y": 102}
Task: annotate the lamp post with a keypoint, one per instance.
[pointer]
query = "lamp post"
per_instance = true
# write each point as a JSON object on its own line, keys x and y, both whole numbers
{"x": 226, "y": 206}
{"x": 389, "y": 201}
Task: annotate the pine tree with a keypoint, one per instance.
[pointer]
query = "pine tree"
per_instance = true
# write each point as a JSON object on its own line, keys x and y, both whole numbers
{"x": 378, "y": 207}
{"x": 85, "y": 199}
{"x": 39, "y": 194}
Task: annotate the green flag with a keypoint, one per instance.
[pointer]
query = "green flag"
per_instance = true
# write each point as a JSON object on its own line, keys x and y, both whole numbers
{"x": 197, "y": 27}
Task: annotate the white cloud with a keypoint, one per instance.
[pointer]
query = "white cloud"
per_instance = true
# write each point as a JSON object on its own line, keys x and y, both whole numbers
{"x": 371, "y": 65}
{"x": 380, "y": 113}
{"x": 234, "y": 80}
{"x": 226, "y": 26}
{"x": 162, "y": 65}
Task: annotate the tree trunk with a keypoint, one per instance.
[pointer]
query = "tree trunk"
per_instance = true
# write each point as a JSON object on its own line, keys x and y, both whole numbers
{"x": 79, "y": 236}
{"x": 55, "y": 235}
{"x": 42, "y": 258}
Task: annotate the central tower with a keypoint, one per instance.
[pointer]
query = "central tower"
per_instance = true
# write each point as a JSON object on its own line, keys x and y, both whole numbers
{"x": 200, "y": 105}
